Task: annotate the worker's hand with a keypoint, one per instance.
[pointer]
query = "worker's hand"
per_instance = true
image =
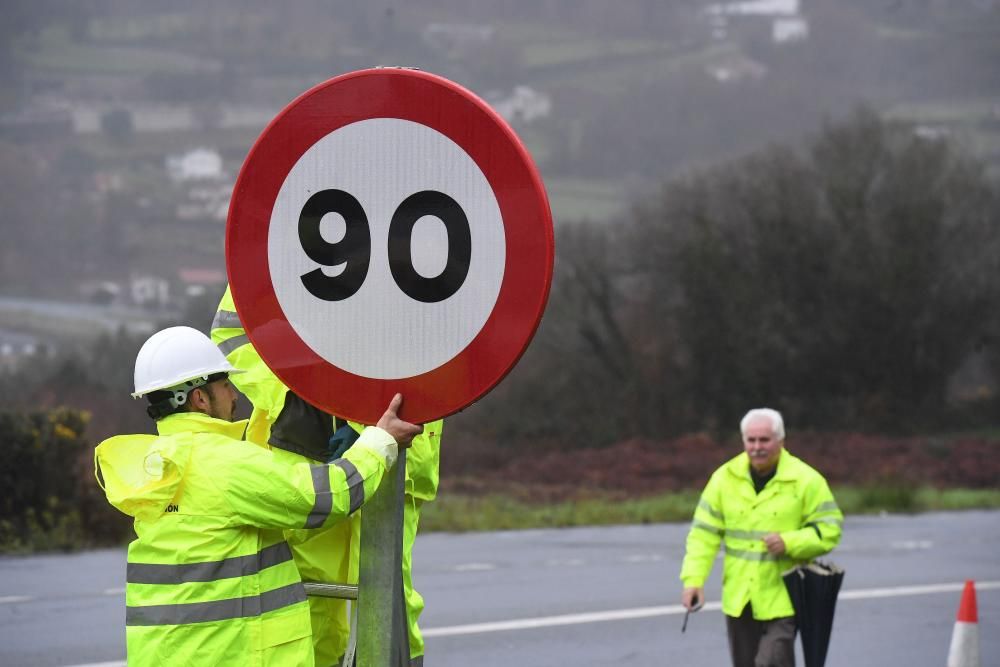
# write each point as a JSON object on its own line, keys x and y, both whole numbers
{"x": 775, "y": 545}
{"x": 402, "y": 432}
{"x": 693, "y": 598}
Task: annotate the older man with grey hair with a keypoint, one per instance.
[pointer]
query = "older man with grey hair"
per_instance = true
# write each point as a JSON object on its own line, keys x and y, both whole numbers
{"x": 771, "y": 511}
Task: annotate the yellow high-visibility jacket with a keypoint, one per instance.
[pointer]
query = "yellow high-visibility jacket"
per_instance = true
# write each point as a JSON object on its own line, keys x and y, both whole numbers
{"x": 796, "y": 503}
{"x": 210, "y": 578}
{"x": 295, "y": 431}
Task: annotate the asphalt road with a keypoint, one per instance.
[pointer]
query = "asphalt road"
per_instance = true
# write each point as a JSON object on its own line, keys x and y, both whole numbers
{"x": 582, "y": 597}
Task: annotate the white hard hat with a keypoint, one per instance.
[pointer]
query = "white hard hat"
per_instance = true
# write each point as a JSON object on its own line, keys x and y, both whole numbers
{"x": 177, "y": 356}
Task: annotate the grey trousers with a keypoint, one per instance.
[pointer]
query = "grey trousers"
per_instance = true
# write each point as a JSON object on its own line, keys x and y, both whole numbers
{"x": 754, "y": 643}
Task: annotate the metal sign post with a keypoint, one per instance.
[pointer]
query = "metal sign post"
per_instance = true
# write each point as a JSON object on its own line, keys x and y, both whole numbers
{"x": 382, "y": 630}
{"x": 382, "y": 635}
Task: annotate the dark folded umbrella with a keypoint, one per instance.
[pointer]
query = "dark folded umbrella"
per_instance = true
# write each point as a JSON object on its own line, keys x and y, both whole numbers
{"x": 813, "y": 588}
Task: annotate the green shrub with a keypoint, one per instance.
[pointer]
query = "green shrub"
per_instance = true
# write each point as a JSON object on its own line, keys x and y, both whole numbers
{"x": 50, "y": 499}
{"x": 890, "y": 498}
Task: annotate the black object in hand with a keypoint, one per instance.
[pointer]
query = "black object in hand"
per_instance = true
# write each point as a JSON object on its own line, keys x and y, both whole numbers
{"x": 695, "y": 606}
{"x": 341, "y": 441}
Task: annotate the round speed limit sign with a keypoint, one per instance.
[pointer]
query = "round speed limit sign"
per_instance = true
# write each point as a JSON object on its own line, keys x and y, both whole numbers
{"x": 388, "y": 233}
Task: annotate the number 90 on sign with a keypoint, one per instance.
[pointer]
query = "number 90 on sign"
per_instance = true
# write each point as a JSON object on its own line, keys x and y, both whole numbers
{"x": 353, "y": 250}
{"x": 386, "y": 248}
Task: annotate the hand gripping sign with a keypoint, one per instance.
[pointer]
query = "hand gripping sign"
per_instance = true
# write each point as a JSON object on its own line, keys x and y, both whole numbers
{"x": 388, "y": 233}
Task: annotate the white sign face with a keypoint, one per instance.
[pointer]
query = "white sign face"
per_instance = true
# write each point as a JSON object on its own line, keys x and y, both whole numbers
{"x": 368, "y": 191}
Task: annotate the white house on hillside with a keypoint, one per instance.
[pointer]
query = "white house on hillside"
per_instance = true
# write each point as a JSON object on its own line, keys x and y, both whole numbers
{"x": 200, "y": 163}
{"x": 787, "y": 22}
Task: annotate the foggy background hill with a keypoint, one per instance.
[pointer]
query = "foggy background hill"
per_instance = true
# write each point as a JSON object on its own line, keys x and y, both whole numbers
{"x": 123, "y": 126}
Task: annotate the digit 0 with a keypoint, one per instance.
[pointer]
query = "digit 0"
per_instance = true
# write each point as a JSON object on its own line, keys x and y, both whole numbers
{"x": 456, "y": 224}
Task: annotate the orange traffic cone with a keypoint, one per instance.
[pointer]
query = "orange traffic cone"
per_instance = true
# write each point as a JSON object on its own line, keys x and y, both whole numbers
{"x": 964, "y": 650}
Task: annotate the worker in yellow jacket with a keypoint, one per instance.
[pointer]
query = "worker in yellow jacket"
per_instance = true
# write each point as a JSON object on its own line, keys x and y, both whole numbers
{"x": 296, "y": 431}
{"x": 771, "y": 512}
{"x": 210, "y": 578}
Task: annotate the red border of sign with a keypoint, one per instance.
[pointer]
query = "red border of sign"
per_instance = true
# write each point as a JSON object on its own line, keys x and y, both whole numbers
{"x": 487, "y": 138}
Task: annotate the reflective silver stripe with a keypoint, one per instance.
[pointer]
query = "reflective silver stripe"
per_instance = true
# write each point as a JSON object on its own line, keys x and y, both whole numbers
{"x": 324, "y": 501}
{"x": 828, "y": 506}
{"x": 231, "y": 344}
{"x": 285, "y": 596}
{"x": 227, "y": 319}
{"x": 354, "y": 482}
{"x": 828, "y": 519}
{"x": 749, "y": 555}
{"x": 227, "y": 568}
{"x": 711, "y": 510}
{"x": 704, "y": 526}
{"x": 216, "y": 610}
{"x": 825, "y": 517}
{"x": 748, "y": 534}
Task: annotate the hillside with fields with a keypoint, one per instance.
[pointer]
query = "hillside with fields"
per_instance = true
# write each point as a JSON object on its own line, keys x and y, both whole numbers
{"x": 611, "y": 100}
{"x": 123, "y": 126}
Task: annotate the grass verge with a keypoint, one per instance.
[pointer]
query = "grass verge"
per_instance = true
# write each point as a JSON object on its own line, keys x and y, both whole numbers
{"x": 465, "y": 513}
{"x": 458, "y": 513}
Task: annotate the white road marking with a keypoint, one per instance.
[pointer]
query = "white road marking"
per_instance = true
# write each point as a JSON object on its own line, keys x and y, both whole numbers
{"x": 643, "y": 558}
{"x": 899, "y": 591}
{"x": 566, "y": 619}
{"x": 561, "y": 562}
{"x": 911, "y": 545}
{"x": 647, "y": 612}
{"x": 667, "y": 610}
{"x": 475, "y": 567}
{"x": 10, "y": 599}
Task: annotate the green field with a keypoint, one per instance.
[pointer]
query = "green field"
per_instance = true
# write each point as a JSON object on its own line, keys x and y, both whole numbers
{"x": 56, "y": 50}
{"x": 578, "y": 199}
{"x": 971, "y": 110}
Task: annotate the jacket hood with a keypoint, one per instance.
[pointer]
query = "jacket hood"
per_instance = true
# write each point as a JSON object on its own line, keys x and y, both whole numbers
{"x": 142, "y": 473}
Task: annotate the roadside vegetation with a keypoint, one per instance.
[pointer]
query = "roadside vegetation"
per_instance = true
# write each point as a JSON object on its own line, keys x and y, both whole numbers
{"x": 502, "y": 512}
{"x": 53, "y": 503}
